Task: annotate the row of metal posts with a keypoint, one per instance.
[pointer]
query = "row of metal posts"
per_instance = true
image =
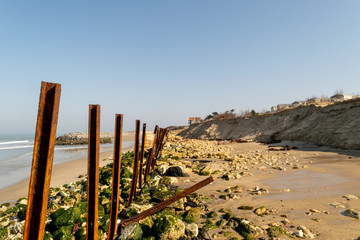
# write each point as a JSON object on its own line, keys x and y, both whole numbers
{"x": 42, "y": 167}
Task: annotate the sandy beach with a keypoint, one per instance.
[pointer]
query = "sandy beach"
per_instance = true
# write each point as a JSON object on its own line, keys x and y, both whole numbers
{"x": 308, "y": 187}
{"x": 63, "y": 173}
{"x": 304, "y": 193}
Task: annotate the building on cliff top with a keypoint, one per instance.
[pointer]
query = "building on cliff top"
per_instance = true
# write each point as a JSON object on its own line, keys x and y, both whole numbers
{"x": 193, "y": 120}
{"x": 343, "y": 97}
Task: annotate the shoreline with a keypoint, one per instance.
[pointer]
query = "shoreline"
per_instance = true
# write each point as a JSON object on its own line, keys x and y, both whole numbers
{"x": 60, "y": 174}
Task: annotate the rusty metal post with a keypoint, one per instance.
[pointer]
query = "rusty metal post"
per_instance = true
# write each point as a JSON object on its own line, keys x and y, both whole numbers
{"x": 142, "y": 154}
{"x": 116, "y": 176}
{"x": 42, "y": 160}
{"x": 93, "y": 173}
{"x": 151, "y": 153}
{"x": 135, "y": 164}
{"x": 165, "y": 203}
{"x": 158, "y": 146}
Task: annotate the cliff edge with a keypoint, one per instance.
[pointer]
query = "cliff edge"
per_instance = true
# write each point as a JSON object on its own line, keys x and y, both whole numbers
{"x": 336, "y": 125}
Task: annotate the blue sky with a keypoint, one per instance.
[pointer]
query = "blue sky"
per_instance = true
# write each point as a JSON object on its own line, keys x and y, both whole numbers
{"x": 164, "y": 61}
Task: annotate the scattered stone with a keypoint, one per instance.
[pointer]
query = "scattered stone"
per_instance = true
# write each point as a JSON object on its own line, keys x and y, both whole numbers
{"x": 244, "y": 207}
{"x": 352, "y": 213}
{"x": 260, "y": 211}
{"x": 337, "y": 205}
{"x": 350, "y": 197}
{"x": 191, "y": 230}
{"x": 314, "y": 210}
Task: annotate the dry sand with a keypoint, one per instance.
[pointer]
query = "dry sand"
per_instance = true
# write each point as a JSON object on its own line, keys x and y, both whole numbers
{"x": 63, "y": 173}
{"x": 328, "y": 175}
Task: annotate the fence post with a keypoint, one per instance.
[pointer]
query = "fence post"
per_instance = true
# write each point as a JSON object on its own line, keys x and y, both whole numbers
{"x": 116, "y": 176}
{"x": 142, "y": 154}
{"x": 42, "y": 160}
{"x": 93, "y": 173}
{"x": 135, "y": 164}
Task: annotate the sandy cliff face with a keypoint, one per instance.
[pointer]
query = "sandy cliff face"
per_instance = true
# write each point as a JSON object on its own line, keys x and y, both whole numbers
{"x": 336, "y": 125}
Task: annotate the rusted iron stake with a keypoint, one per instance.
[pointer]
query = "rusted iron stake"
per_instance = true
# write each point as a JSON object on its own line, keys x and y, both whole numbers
{"x": 163, "y": 142}
{"x": 116, "y": 176}
{"x": 42, "y": 160}
{"x": 142, "y": 154}
{"x": 151, "y": 153}
{"x": 135, "y": 164}
{"x": 165, "y": 203}
{"x": 93, "y": 173}
{"x": 158, "y": 147}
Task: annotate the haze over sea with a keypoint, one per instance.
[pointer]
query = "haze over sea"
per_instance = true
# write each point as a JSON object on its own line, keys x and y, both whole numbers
{"x": 16, "y": 156}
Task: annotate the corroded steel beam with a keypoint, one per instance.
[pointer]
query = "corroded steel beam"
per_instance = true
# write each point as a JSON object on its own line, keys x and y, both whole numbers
{"x": 93, "y": 173}
{"x": 135, "y": 164}
{"x": 159, "y": 143}
{"x": 165, "y": 203}
{"x": 142, "y": 154}
{"x": 151, "y": 153}
{"x": 116, "y": 176}
{"x": 42, "y": 160}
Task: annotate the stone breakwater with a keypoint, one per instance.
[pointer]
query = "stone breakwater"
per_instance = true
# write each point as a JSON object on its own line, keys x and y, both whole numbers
{"x": 77, "y": 138}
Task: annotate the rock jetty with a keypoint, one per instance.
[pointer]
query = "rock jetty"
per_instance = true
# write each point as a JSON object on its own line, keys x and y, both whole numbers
{"x": 77, "y": 138}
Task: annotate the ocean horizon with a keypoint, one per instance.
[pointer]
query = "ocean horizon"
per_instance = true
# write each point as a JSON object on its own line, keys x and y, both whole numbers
{"x": 16, "y": 151}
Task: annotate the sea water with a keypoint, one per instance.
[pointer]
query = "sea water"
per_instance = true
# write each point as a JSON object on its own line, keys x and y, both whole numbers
{"x": 16, "y": 151}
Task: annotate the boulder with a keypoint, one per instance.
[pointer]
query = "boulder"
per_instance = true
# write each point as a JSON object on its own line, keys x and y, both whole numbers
{"x": 352, "y": 213}
{"x": 169, "y": 227}
{"x": 175, "y": 172}
{"x": 191, "y": 230}
{"x": 132, "y": 231}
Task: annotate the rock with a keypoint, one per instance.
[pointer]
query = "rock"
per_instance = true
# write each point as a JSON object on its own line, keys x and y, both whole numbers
{"x": 352, "y": 213}
{"x": 64, "y": 232}
{"x": 204, "y": 234}
{"x": 314, "y": 210}
{"x": 276, "y": 231}
{"x": 299, "y": 234}
{"x": 162, "y": 169}
{"x": 350, "y": 197}
{"x": 279, "y": 168}
{"x": 132, "y": 231}
{"x": 192, "y": 215}
{"x": 306, "y": 232}
{"x": 18, "y": 227}
{"x": 337, "y": 205}
{"x": 175, "y": 172}
{"x": 169, "y": 227}
{"x": 191, "y": 230}
{"x": 260, "y": 211}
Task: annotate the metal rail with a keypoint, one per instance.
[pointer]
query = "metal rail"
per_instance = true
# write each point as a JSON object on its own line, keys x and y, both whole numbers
{"x": 43, "y": 154}
{"x": 165, "y": 203}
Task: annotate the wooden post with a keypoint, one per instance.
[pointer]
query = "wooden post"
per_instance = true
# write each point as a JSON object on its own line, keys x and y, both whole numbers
{"x": 116, "y": 176}
{"x": 42, "y": 160}
{"x": 142, "y": 153}
{"x": 93, "y": 173}
{"x": 135, "y": 165}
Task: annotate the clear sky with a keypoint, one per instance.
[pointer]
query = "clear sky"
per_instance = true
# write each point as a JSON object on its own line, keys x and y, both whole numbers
{"x": 164, "y": 61}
